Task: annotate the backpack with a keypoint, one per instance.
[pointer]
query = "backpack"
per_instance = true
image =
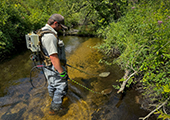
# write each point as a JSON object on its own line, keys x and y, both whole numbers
{"x": 33, "y": 42}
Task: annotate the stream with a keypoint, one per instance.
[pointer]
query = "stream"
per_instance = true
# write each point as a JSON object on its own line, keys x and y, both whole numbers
{"x": 20, "y": 101}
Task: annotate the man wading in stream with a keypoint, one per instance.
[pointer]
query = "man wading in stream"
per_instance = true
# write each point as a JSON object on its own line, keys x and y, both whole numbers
{"x": 53, "y": 47}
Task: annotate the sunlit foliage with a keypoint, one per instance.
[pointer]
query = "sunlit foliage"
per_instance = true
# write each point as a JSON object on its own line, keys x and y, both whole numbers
{"x": 19, "y": 17}
{"x": 143, "y": 38}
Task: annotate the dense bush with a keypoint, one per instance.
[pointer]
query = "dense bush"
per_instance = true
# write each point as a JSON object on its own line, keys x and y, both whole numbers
{"x": 16, "y": 20}
{"x": 142, "y": 37}
{"x": 19, "y": 18}
{"x": 12, "y": 26}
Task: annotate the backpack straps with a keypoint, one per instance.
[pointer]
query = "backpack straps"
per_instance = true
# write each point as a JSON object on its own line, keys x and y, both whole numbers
{"x": 40, "y": 33}
{"x": 45, "y": 31}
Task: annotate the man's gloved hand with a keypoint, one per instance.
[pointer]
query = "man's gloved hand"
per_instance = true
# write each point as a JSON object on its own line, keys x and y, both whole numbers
{"x": 64, "y": 75}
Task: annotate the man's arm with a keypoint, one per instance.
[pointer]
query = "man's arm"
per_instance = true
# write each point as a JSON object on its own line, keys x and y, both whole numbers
{"x": 56, "y": 62}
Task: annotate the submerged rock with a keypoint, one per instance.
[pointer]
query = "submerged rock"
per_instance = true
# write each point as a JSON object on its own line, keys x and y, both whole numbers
{"x": 104, "y": 74}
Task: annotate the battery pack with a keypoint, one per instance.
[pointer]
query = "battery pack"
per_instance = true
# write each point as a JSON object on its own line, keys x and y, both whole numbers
{"x": 32, "y": 41}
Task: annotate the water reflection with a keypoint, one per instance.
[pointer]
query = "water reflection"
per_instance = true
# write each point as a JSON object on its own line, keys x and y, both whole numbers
{"x": 72, "y": 43}
{"x": 13, "y": 71}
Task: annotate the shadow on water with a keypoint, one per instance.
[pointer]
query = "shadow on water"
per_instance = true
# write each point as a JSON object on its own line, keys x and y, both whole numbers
{"x": 19, "y": 101}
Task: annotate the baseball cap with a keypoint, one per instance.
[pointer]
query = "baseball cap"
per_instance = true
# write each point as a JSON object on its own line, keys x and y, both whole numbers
{"x": 60, "y": 19}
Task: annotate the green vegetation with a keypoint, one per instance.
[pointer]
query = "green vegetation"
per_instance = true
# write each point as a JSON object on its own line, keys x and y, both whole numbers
{"x": 19, "y": 17}
{"x": 142, "y": 37}
{"x": 138, "y": 31}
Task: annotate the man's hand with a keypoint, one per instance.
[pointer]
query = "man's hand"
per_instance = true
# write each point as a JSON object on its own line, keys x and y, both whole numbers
{"x": 64, "y": 75}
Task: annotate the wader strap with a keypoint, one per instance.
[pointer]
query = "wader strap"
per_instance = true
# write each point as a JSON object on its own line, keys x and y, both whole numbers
{"x": 47, "y": 59}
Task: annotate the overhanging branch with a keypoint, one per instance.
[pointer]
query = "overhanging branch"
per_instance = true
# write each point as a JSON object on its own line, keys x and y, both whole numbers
{"x": 124, "y": 82}
{"x": 143, "y": 118}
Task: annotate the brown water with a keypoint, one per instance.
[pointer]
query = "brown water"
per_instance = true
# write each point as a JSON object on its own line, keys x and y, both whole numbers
{"x": 19, "y": 101}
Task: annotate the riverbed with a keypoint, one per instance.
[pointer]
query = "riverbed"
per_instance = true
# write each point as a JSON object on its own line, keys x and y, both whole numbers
{"x": 20, "y": 101}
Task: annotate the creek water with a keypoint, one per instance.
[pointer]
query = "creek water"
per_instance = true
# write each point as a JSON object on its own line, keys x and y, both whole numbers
{"x": 20, "y": 101}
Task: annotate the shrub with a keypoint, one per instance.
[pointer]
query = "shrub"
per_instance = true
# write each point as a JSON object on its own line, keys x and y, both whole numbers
{"x": 142, "y": 37}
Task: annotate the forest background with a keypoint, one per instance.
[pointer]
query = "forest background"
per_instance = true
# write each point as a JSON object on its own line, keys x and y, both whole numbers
{"x": 135, "y": 36}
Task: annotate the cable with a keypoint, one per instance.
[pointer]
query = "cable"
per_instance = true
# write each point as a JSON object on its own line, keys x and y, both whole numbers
{"x": 43, "y": 66}
{"x": 31, "y": 81}
{"x": 84, "y": 86}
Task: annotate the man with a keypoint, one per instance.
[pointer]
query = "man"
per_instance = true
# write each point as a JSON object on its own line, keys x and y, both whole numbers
{"x": 53, "y": 47}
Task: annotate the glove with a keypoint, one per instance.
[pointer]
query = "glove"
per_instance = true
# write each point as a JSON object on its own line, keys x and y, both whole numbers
{"x": 64, "y": 75}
